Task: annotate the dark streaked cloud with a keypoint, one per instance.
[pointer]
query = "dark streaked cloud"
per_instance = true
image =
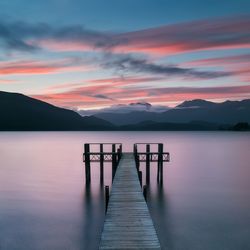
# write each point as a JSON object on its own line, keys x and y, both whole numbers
{"x": 126, "y": 63}
{"x": 101, "y": 96}
{"x": 24, "y": 36}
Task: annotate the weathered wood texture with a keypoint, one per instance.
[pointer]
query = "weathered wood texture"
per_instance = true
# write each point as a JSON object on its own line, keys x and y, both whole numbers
{"x": 128, "y": 224}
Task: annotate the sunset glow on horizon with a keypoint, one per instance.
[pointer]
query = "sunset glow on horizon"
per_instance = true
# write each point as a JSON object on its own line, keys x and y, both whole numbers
{"x": 94, "y": 54}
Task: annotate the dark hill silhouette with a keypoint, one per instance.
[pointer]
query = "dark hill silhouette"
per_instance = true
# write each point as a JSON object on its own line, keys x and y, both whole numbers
{"x": 19, "y": 112}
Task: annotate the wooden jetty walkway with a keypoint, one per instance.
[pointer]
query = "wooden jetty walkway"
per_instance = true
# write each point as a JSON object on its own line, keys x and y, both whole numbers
{"x": 128, "y": 224}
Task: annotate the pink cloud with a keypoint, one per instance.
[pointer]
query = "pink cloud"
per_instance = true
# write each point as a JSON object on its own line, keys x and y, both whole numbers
{"x": 224, "y": 33}
{"x": 226, "y": 60}
{"x": 103, "y": 84}
{"x": 40, "y": 67}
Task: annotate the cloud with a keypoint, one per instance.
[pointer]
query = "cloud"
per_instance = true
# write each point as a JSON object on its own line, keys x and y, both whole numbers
{"x": 124, "y": 80}
{"x": 223, "y": 33}
{"x": 175, "y": 38}
{"x": 24, "y": 36}
{"x": 42, "y": 67}
{"x": 126, "y": 63}
{"x": 237, "y": 65}
{"x": 101, "y": 96}
{"x": 104, "y": 84}
{"x": 226, "y": 60}
{"x": 7, "y": 81}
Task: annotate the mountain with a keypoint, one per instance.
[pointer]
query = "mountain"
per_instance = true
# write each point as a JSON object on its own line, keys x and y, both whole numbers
{"x": 20, "y": 112}
{"x": 197, "y": 103}
{"x": 228, "y": 112}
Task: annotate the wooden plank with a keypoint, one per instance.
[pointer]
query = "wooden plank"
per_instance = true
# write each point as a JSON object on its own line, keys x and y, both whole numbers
{"x": 128, "y": 224}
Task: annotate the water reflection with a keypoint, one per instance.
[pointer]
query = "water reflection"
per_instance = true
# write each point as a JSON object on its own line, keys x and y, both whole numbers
{"x": 94, "y": 212}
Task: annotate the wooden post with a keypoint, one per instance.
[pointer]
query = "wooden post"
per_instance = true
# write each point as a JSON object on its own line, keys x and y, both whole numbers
{"x": 137, "y": 162}
{"x": 161, "y": 164}
{"x": 135, "y": 149}
{"x": 106, "y": 198}
{"x": 120, "y": 153}
{"x": 140, "y": 177}
{"x": 145, "y": 192}
{"x": 113, "y": 161}
{"x": 101, "y": 163}
{"x": 147, "y": 163}
{"x": 87, "y": 164}
{"x": 160, "y": 161}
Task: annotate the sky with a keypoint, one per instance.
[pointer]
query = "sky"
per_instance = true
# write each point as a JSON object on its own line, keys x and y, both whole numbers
{"x": 90, "y": 54}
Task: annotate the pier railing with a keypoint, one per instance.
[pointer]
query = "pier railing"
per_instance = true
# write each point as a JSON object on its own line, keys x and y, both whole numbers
{"x": 142, "y": 153}
{"x": 113, "y": 155}
{"x": 112, "y": 152}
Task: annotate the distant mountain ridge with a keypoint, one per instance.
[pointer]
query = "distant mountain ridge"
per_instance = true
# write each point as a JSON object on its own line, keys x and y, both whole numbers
{"x": 22, "y": 113}
{"x": 197, "y": 103}
{"x": 228, "y": 112}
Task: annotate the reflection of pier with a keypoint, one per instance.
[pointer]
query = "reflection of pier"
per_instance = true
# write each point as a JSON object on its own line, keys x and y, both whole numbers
{"x": 128, "y": 224}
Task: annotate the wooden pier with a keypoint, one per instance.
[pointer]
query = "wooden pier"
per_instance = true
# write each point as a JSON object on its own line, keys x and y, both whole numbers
{"x": 128, "y": 224}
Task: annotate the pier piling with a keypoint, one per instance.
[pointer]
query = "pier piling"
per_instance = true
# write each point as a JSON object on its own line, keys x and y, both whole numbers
{"x": 160, "y": 163}
{"x": 147, "y": 163}
{"x": 113, "y": 161}
{"x": 106, "y": 198}
{"x": 101, "y": 163}
{"x": 87, "y": 164}
{"x": 140, "y": 177}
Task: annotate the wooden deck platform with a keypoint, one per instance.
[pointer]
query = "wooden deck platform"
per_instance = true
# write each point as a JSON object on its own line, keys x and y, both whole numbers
{"x": 128, "y": 224}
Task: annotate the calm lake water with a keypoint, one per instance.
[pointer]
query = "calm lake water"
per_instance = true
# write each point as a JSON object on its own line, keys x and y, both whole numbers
{"x": 204, "y": 202}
